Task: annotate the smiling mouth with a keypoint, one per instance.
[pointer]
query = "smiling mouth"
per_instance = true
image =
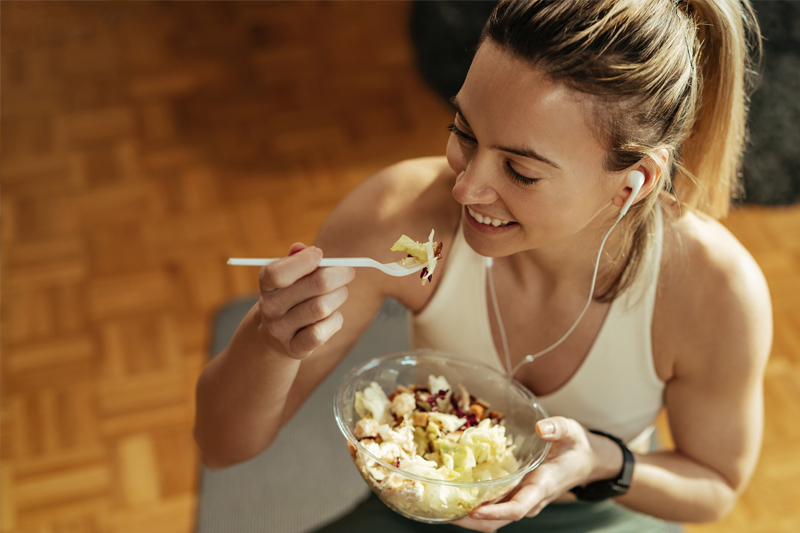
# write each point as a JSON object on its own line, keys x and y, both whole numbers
{"x": 488, "y": 221}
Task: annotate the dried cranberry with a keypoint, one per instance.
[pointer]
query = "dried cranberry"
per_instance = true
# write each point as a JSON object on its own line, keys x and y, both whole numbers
{"x": 454, "y": 403}
{"x": 472, "y": 420}
{"x": 441, "y": 395}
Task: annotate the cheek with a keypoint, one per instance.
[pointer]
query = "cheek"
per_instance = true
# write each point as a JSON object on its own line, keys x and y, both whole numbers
{"x": 547, "y": 212}
{"x": 565, "y": 213}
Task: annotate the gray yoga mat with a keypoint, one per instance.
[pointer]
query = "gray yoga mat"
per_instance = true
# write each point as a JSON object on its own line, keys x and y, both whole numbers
{"x": 306, "y": 478}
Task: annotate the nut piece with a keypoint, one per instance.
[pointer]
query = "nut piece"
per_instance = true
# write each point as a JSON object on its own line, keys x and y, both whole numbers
{"x": 478, "y": 410}
{"x": 482, "y": 403}
{"x": 420, "y": 419}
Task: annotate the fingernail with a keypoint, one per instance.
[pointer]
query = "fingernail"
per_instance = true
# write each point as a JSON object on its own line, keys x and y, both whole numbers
{"x": 317, "y": 251}
{"x": 547, "y": 428}
{"x": 479, "y": 515}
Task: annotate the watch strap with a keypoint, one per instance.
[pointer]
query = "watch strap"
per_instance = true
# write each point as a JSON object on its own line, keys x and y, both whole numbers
{"x": 608, "y": 488}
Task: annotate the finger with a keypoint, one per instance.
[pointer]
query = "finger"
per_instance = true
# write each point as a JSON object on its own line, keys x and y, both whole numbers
{"x": 558, "y": 428}
{"x": 312, "y": 337}
{"x": 518, "y": 507}
{"x": 487, "y": 526}
{"x": 296, "y": 247}
{"x": 278, "y": 303}
{"x": 308, "y": 313}
{"x": 286, "y": 271}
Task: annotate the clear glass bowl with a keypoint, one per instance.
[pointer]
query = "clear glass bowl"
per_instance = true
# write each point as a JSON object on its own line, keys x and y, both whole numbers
{"x": 433, "y": 500}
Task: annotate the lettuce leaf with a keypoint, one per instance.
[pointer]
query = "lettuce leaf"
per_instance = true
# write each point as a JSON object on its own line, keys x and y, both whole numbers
{"x": 373, "y": 403}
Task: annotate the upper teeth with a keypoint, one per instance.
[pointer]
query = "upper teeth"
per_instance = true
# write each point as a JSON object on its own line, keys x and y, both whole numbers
{"x": 487, "y": 220}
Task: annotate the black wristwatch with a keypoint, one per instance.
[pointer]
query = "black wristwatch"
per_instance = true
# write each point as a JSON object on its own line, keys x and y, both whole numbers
{"x": 608, "y": 488}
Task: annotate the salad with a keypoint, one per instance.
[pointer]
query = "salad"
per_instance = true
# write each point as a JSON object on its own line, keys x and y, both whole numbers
{"x": 435, "y": 431}
{"x": 419, "y": 253}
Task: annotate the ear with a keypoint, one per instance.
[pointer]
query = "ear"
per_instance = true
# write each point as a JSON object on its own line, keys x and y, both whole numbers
{"x": 651, "y": 167}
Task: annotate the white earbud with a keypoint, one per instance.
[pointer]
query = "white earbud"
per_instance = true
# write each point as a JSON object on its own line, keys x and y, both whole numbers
{"x": 635, "y": 182}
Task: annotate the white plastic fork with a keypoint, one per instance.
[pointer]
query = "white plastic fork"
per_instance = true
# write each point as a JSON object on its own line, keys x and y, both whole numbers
{"x": 393, "y": 269}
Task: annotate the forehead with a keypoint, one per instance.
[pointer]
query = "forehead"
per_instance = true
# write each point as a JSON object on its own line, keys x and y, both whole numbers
{"x": 509, "y": 101}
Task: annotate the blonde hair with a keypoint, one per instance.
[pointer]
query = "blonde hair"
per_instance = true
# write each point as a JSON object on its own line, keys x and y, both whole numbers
{"x": 664, "y": 74}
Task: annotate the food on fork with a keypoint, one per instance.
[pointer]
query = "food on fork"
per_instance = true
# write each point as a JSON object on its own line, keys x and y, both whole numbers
{"x": 437, "y": 432}
{"x": 419, "y": 253}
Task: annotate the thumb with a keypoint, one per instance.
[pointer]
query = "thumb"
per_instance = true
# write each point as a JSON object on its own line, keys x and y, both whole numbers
{"x": 558, "y": 428}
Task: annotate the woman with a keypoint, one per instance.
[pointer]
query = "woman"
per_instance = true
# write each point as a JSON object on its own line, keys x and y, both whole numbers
{"x": 563, "y": 102}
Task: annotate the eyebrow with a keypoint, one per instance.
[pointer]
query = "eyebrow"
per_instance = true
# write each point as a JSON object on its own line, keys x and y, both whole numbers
{"x": 524, "y": 152}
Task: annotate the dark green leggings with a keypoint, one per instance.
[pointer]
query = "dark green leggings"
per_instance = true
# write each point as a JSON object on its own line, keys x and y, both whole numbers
{"x": 372, "y": 516}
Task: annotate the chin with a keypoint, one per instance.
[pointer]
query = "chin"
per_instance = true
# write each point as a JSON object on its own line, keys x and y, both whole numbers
{"x": 486, "y": 247}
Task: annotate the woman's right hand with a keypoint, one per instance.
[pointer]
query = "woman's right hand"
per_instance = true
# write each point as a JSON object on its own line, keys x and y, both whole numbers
{"x": 299, "y": 302}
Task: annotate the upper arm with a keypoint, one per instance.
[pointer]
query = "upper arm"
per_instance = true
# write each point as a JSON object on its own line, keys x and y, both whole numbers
{"x": 721, "y": 326}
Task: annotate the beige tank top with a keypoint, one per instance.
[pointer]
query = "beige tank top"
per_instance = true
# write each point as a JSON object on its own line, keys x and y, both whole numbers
{"x": 615, "y": 390}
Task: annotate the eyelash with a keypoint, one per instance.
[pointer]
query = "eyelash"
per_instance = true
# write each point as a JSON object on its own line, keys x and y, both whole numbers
{"x": 513, "y": 174}
{"x": 452, "y": 128}
{"x": 519, "y": 178}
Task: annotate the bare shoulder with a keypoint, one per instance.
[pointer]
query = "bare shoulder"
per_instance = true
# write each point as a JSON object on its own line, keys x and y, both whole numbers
{"x": 411, "y": 197}
{"x": 701, "y": 253}
{"x": 714, "y": 306}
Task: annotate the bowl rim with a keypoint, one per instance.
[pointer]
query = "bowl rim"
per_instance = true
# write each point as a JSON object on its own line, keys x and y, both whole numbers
{"x": 409, "y": 354}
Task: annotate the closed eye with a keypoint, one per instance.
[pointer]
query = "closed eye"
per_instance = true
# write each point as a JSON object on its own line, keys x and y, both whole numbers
{"x": 461, "y": 135}
{"x": 513, "y": 174}
{"x": 516, "y": 176}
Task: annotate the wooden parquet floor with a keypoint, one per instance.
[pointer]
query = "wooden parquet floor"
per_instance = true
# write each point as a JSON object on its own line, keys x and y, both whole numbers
{"x": 143, "y": 143}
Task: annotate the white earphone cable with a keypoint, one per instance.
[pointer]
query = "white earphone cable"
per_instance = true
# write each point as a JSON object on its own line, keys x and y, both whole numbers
{"x": 489, "y": 264}
{"x": 528, "y": 358}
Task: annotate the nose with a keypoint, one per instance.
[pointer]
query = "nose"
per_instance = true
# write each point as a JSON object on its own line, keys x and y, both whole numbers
{"x": 474, "y": 187}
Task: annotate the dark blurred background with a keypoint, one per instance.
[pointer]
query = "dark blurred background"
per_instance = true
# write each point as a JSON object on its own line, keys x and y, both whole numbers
{"x": 771, "y": 167}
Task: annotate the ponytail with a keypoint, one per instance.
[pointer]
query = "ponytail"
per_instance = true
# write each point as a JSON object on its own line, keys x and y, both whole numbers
{"x": 707, "y": 178}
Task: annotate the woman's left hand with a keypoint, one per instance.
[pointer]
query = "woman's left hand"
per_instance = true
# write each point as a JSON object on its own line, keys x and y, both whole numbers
{"x": 571, "y": 461}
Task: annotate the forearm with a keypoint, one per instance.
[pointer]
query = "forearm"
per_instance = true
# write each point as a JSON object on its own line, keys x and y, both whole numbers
{"x": 673, "y": 487}
{"x": 241, "y": 394}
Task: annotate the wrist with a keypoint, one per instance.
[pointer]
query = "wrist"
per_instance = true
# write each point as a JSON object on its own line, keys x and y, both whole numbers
{"x": 607, "y": 458}
{"x": 607, "y": 487}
